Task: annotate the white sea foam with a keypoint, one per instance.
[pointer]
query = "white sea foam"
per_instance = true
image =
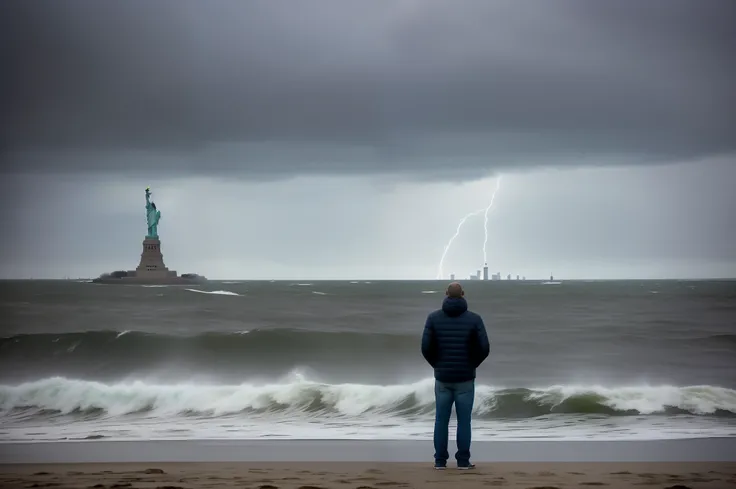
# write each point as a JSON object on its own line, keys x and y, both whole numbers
{"x": 300, "y": 408}
{"x": 299, "y": 394}
{"x": 215, "y": 292}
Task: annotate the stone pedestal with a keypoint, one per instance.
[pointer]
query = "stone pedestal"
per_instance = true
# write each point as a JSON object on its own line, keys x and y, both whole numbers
{"x": 152, "y": 261}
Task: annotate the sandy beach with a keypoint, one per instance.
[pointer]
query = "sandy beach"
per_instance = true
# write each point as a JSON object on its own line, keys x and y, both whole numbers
{"x": 369, "y": 464}
{"x": 344, "y": 475}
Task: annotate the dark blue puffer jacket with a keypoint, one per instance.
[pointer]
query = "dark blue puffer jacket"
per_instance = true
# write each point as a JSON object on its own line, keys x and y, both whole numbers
{"x": 455, "y": 341}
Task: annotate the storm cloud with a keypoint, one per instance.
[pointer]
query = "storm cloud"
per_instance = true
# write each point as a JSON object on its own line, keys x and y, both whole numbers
{"x": 435, "y": 89}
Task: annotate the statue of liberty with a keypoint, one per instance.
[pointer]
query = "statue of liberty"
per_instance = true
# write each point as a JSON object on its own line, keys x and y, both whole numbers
{"x": 153, "y": 215}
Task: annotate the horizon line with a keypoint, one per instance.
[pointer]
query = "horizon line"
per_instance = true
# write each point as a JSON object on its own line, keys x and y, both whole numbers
{"x": 362, "y": 279}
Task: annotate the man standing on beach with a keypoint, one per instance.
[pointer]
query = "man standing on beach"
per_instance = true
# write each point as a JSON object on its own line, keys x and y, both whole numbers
{"x": 454, "y": 343}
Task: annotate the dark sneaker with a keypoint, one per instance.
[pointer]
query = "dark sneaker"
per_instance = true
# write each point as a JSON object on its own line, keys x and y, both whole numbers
{"x": 466, "y": 466}
{"x": 438, "y": 466}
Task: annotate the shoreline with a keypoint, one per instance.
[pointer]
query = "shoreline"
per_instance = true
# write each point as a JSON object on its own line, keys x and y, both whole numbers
{"x": 365, "y": 451}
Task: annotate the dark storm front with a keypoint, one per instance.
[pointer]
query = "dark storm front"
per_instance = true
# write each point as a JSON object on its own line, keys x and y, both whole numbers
{"x": 253, "y": 359}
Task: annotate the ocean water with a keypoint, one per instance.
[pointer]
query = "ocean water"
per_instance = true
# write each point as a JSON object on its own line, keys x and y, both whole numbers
{"x": 265, "y": 360}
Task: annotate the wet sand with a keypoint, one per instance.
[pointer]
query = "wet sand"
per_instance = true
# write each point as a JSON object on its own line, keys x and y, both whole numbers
{"x": 104, "y": 451}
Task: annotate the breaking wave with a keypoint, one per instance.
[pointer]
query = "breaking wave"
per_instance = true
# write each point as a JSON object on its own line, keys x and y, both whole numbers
{"x": 58, "y": 396}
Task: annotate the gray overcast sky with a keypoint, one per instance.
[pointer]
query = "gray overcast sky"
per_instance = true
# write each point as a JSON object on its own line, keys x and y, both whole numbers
{"x": 341, "y": 138}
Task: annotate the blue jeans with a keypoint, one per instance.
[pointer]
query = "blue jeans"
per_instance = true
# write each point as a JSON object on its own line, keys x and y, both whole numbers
{"x": 462, "y": 395}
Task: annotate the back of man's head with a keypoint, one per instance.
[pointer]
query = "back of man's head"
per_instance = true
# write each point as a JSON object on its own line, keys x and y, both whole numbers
{"x": 455, "y": 290}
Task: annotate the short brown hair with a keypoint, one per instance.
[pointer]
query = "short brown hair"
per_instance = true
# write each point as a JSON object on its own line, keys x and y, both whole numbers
{"x": 455, "y": 290}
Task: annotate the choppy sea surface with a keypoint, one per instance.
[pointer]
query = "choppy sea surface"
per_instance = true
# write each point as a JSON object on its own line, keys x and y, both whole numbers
{"x": 569, "y": 360}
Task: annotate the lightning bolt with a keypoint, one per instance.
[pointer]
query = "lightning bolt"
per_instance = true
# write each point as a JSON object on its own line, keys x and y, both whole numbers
{"x": 449, "y": 243}
{"x": 485, "y": 218}
{"x": 467, "y": 216}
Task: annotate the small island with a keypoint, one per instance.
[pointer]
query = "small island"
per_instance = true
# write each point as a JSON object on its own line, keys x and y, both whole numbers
{"x": 151, "y": 270}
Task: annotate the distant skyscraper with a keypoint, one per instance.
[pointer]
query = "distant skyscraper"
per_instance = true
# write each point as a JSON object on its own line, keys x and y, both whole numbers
{"x": 485, "y": 272}
{"x": 452, "y": 277}
{"x": 508, "y": 277}
{"x": 517, "y": 277}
